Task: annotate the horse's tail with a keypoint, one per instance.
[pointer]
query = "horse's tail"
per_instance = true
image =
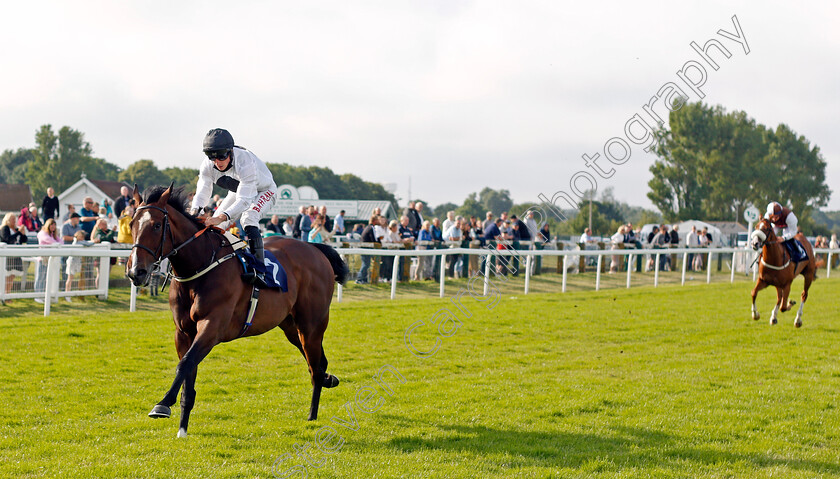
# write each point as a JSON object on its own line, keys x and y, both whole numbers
{"x": 338, "y": 265}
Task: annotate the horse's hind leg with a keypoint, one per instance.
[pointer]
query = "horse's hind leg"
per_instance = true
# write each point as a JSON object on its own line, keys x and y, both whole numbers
{"x": 759, "y": 285}
{"x": 330, "y": 381}
{"x": 787, "y": 304}
{"x": 313, "y": 352}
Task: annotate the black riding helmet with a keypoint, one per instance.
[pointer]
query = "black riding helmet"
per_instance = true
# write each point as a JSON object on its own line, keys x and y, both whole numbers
{"x": 218, "y": 139}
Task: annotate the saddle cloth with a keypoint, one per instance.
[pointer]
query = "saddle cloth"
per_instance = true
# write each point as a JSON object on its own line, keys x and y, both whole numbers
{"x": 275, "y": 275}
{"x": 797, "y": 252}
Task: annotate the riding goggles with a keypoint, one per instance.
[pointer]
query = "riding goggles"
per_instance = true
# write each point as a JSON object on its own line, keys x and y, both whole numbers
{"x": 217, "y": 155}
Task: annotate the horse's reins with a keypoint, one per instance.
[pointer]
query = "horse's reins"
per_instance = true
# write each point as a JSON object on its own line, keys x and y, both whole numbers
{"x": 213, "y": 262}
{"x": 766, "y": 264}
{"x": 158, "y": 253}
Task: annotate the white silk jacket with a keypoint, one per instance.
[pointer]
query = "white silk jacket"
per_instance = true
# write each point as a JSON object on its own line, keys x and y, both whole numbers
{"x": 246, "y": 178}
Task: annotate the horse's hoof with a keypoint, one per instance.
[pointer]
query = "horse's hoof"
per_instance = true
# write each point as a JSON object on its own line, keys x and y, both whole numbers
{"x": 160, "y": 411}
{"x": 330, "y": 381}
{"x": 756, "y": 316}
{"x": 182, "y": 432}
{"x": 773, "y": 321}
{"x": 797, "y": 324}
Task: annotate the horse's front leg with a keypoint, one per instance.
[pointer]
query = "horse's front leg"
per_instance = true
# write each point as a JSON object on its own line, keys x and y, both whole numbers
{"x": 182, "y": 345}
{"x": 774, "y": 315}
{"x": 759, "y": 285}
{"x": 204, "y": 341}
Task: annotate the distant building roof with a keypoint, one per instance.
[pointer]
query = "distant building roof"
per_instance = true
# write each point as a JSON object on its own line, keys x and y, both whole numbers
{"x": 14, "y": 197}
{"x": 110, "y": 188}
{"x": 366, "y": 209}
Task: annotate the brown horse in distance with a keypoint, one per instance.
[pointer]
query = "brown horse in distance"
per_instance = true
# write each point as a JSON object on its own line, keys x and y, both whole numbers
{"x": 776, "y": 269}
{"x": 212, "y": 308}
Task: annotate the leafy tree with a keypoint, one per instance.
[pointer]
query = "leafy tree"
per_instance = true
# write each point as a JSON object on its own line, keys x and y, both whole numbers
{"x": 144, "y": 173}
{"x": 58, "y": 159}
{"x": 442, "y": 209}
{"x": 182, "y": 176}
{"x": 471, "y": 207}
{"x": 496, "y": 201}
{"x": 801, "y": 178}
{"x": 14, "y": 164}
{"x": 713, "y": 164}
{"x": 99, "y": 169}
{"x": 601, "y": 224}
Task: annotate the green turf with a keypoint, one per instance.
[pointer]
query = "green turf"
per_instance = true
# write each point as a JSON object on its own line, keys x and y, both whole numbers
{"x": 668, "y": 382}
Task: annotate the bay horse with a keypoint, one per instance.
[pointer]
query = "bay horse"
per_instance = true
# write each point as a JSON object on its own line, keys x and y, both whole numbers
{"x": 210, "y": 302}
{"x": 776, "y": 269}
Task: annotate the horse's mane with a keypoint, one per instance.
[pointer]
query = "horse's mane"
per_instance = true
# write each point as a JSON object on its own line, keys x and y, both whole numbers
{"x": 178, "y": 199}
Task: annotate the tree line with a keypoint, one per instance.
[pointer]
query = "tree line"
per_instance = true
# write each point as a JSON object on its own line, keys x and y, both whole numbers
{"x": 59, "y": 158}
{"x": 713, "y": 165}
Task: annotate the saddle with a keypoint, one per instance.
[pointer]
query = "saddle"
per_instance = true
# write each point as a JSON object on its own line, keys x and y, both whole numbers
{"x": 272, "y": 270}
{"x": 797, "y": 252}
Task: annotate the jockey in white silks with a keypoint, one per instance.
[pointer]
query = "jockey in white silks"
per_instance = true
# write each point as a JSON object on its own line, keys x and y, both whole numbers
{"x": 251, "y": 190}
{"x": 785, "y": 226}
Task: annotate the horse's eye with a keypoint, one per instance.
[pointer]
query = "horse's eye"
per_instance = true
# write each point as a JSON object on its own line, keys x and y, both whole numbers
{"x": 157, "y": 226}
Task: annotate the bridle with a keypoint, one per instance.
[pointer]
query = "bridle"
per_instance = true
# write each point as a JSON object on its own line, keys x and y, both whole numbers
{"x": 764, "y": 243}
{"x": 158, "y": 253}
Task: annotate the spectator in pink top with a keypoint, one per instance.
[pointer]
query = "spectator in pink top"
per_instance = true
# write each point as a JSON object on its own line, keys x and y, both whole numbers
{"x": 47, "y": 236}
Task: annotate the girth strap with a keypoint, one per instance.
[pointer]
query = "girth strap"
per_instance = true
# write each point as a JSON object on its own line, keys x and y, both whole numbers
{"x": 252, "y": 309}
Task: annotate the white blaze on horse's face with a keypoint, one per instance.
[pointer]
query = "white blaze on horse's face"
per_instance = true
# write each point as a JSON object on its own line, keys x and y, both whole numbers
{"x": 757, "y": 239}
{"x": 144, "y": 219}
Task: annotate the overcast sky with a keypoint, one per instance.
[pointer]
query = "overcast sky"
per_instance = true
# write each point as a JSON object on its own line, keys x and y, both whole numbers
{"x": 455, "y": 95}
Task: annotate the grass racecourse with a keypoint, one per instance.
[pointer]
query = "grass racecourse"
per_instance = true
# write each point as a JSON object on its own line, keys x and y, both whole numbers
{"x": 668, "y": 382}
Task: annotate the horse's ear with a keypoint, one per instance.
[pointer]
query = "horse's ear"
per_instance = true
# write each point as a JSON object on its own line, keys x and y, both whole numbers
{"x": 164, "y": 197}
{"x": 137, "y": 198}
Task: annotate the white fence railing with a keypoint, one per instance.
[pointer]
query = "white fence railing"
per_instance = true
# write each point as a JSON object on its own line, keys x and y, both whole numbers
{"x": 738, "y": 255}
{"x": 53, "y": 255}
{"x": 48, "y": 264}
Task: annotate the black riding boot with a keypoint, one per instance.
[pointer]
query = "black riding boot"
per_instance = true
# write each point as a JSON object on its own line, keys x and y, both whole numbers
{"x": 255, "y": 241}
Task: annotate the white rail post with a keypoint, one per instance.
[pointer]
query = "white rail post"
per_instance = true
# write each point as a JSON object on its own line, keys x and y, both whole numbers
{"x": 3, "y": 292}
{"x": 132, "y": 303}
{"x": 528, "y": 262}
{"x": 828, "y": 266}
{"x": 629, "y": 268}
{"x": 395, "y": 273}
{"x": 486, "y": 274}
{"x": 685, "y": 259}
{"x": 597, "y": 272}
{"x": 443, "y": 273}
{"x": 53, "y": 275}
{"x": 565, "y": 258}
{"x": 105, "y": 273}
{"x": 656, "y": 272}
{"x": 732, "y": 273}
{"x": 709, "y": 269}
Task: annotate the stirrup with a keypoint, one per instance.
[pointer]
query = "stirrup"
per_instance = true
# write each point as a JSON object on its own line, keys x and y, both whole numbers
{"x": 255, "y": 278}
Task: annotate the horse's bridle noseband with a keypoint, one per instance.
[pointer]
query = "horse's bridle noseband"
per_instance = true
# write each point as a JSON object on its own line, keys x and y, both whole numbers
{"x": 158, "y": 253}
